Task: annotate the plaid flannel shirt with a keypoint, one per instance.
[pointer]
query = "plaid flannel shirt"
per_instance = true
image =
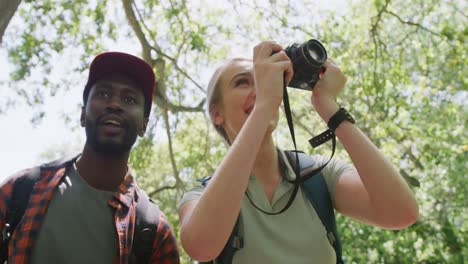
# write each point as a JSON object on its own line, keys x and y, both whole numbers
{"x": 165, "y": 248}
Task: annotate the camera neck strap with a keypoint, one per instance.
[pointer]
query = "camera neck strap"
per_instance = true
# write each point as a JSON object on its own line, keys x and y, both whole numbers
{"x": 315, "y": 142}
{"x": 296, "y": 168}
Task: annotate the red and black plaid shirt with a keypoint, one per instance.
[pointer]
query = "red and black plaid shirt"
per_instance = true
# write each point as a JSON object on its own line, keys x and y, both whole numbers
{"x": 165, "y": 249}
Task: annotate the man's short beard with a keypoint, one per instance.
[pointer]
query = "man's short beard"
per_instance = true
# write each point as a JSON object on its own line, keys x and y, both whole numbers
{"x": 109, "y": 148}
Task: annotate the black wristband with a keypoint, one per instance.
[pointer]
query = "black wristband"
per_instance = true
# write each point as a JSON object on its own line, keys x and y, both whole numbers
{"x": 338, "y": 118}
{"x": 322, "y": 138}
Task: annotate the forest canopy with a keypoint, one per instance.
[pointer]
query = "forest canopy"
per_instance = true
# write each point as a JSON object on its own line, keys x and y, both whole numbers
{"x": 407, "y": 89}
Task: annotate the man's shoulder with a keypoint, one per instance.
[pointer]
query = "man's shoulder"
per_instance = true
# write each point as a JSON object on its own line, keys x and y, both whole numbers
{"x": 146, "y": 208}
{"x": 142, "y": 195}
{"x": 34, "y": 173}
{"x": 60, "y": 162}
{"x": 24, "y": 173}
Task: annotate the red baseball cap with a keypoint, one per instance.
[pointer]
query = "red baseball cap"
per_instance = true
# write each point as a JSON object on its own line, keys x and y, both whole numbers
{"x": 122, "y": 63}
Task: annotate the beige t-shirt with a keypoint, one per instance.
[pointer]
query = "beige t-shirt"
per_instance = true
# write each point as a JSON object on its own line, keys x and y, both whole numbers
{"x": 295, "y": 236}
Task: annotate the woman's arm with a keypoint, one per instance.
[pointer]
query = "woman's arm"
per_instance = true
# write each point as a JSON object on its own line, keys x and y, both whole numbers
{"x": 207, "y": 223}
{"x": 375, "y": 192}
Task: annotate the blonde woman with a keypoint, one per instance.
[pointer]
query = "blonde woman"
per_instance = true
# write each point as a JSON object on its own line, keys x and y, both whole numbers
{"x": 243, "y": 102}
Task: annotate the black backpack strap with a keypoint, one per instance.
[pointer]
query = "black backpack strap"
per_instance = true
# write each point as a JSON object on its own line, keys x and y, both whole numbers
{"x": 21, "y": 192}
{"x": 22, "y": 189}
{"x": 234, "y": 243}
{"x": 146, "y": 225}
{"x": 235, "y": 240}
{"x": 317, "y": 192}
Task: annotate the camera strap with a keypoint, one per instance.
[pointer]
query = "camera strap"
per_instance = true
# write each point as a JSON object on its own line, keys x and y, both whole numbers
{"x": 297, "y": 179}
{"x": 315, "y": 142}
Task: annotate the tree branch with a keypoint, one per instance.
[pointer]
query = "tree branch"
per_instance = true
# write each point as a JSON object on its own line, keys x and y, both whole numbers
{"x": 411, "y": 23}
{"x": 171, "y": 150}
{"x": 398, "y": 43}
{"x": 160, "y": 97}
{"x": 379, "y": 16}
{"x": 127, "y": 4}
{"x": 162, "y": 189}
{"x": 159, "y": 51}
{"x": 153, "y": 36}
{"x": 409, "y": 179}
{"x": 267, "y": 13}
{"x": 414, "y": 159}
{"x": 377, "y": 45}
{"x": 7, "y": 10}
{"x": 301, "y": 124}
{"x": 181, "y": 24}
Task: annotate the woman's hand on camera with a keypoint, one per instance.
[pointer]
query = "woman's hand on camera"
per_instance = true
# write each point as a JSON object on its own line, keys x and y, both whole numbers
{"x": 327, "y": 90}
{"x": 271, "y": 66}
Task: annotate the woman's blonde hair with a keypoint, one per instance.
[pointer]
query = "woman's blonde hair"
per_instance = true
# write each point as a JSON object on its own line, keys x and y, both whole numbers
{"x": 214, "y": 96}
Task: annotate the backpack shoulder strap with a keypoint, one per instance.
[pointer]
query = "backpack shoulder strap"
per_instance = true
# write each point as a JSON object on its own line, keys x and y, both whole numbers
{"x": 234, "y": 243}
{"x": 317, "y": 192}
{"x": 146, "y": 225}
{"x": 22, "y": 189}
{"x": 20, "y": 196}
{"x": 21, "y": 192}
{"x": 235, "y": 240}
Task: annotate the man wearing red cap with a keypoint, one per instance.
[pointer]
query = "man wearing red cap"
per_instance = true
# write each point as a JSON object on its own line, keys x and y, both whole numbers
{"x": 89, "y": 209}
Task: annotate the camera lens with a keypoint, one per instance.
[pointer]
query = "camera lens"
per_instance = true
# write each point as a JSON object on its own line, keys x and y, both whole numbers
{"x": 308, "y": 60}
{"x": 314, "y": 52}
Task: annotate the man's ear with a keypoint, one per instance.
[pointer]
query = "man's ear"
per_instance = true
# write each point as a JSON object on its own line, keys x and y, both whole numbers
{"x": 83, "y": 116}
{"x": 142, "y": 130}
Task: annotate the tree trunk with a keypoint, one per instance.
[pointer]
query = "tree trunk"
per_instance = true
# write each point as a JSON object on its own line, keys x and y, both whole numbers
{"x": 7, "y": 10}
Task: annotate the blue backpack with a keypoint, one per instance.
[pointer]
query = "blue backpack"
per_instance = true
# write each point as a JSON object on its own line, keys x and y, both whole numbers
{"x": 316, "y": 191}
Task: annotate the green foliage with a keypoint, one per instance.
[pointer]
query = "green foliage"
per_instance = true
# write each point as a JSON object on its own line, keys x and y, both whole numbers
{"x": 407, "y": 87}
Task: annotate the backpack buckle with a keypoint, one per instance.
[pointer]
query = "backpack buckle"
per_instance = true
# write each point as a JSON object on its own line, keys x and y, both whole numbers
{"x": 6, "y": 233}
{"x": 237, "y": 242}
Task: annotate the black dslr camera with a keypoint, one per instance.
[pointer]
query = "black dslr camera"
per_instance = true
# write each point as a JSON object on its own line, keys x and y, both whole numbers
{"x": 308, "y": 60}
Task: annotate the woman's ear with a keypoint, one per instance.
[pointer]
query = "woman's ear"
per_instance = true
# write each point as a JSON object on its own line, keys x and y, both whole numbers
{"x": 217, "y": 116}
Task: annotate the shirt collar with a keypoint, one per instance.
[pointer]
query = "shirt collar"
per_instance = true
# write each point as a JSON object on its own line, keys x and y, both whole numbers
{"x": 126, "y": 191}
{"x": 290, "y": 174}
